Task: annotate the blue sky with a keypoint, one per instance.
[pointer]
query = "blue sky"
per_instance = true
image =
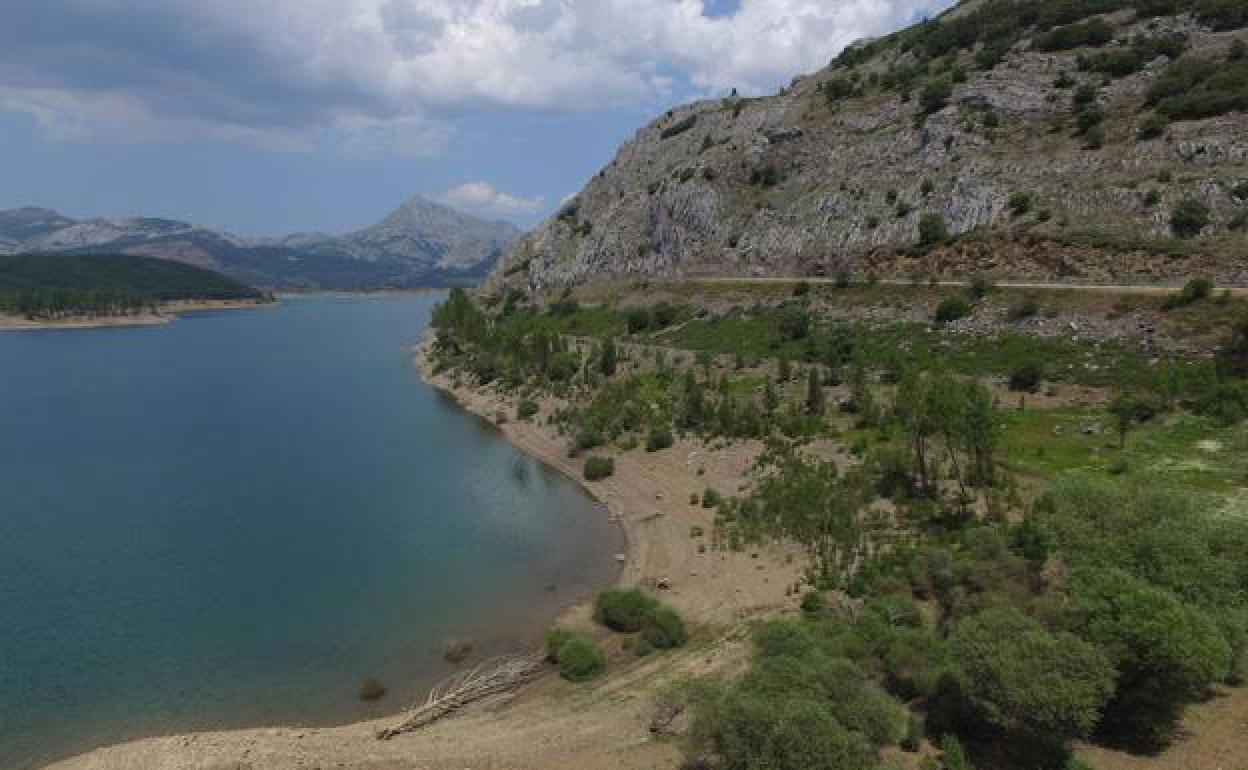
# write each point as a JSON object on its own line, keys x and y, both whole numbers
{"x": 296, "y": 115}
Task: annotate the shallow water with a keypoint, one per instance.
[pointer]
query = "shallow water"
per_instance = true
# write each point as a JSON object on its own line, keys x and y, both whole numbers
{"x": 232, "y": 520}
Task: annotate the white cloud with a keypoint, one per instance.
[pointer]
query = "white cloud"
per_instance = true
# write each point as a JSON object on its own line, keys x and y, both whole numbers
{"x": 384, "y": 70}
{"x": 481, "y": 196}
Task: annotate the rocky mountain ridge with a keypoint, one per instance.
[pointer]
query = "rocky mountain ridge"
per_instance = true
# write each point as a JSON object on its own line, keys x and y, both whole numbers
{"x": 422, "y": 243}
{"x": 1086, "y": 140}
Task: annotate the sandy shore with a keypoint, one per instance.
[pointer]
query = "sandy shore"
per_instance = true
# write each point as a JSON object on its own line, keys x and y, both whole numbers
{"x": 551, "y": 723}
{"x": 169, "y": 311}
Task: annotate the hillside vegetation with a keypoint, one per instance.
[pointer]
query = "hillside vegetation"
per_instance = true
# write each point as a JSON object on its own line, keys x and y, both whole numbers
{"x": 48, "y": 287}
{"x": 1014, "y": 541}
{"x": 1094, "y": 140}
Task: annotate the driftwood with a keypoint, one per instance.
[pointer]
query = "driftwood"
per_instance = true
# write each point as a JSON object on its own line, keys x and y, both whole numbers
{"x": 489, "y": 678}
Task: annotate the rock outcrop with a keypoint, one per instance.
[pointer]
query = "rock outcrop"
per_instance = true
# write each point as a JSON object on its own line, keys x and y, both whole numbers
{"x": 836, "y": 172}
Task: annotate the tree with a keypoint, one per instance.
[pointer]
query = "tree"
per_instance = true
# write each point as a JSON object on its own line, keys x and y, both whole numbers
{"x": 1029, "y": 682}
{"x": 1232, "y": 356}
{"x": 1166, "y": 653}
{"x": 608, "y": 358}
{"x": 1123, "y": 410}
{"x": 814, "y": 393}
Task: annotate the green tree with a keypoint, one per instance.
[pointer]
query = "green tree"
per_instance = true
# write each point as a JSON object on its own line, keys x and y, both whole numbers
{"x": 1029, "y": 682}
{"x": 608, "y": 358}
{"x": 814, "y": 393}
{"x": 1123, "y": 408}
{"x": 1166, "y": 653}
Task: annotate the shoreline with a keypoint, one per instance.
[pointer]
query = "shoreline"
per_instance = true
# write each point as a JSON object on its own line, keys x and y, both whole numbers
{"x": 168, "y": 313}
{"x": 550, "y": 723}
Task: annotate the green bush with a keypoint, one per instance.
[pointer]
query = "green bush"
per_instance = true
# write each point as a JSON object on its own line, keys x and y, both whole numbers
{"x": 579, "y": 659}
{"x": 637, "y": 319}
{"x": 1189, "y": 218}
{"x": 935, "y": 95}
{"x": 932, "y": 230}
{"x": 624, "y": 609}
{"x": 1195, "y": 290}
{"x": 951, "y": 309}
{"x": 1088, "y": 33}
{"x": 1027, "y": 377}
{"x": 526, "y": 409}
{"x": 1195, "y": 87}
{"x": 555, "y": 639}
{"x": 1153, "y": 127}
{"x": 664, "y": 629}
{"x": 598, "y": 468}
{"x": 659, "y": 438}
{"x": 1020, "y": 204}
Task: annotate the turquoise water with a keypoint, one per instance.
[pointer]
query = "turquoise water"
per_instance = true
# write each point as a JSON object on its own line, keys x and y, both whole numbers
{"x": 233, "y": 519}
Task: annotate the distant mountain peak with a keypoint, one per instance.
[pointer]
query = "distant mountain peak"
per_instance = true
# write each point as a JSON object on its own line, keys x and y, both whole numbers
{"x": 421, "y": 243}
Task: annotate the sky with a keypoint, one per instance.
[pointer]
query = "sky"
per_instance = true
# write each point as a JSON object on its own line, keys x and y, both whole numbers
{"x": 275, "y": 116}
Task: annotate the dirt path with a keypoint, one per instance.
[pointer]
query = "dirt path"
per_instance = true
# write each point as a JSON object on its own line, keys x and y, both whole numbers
{"x": 1236, "y": 291}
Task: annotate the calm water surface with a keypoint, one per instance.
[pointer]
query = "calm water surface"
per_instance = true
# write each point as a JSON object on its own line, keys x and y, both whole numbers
{"x": 232, "y": 520}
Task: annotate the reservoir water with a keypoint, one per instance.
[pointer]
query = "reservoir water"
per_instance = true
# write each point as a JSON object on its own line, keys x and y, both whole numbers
{"x": 234, "y": 519}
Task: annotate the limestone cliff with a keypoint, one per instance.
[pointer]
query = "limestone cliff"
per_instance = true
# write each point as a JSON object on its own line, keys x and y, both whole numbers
{"x": 1038, "y": 158}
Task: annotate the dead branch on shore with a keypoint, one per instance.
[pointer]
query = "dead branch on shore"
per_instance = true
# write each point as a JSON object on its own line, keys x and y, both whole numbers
{"x": 450, "y": 695}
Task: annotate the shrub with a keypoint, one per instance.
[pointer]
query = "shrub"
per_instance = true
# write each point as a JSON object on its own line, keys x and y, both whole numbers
{"x": 664, "y": 629}
{"x": 1222, "y": 15}
{"x": 813, "y": 603}
{"x": 1088, "y": 33}
{"x": 951, "y": 309}
{"x": 711, "y": 498}
{"x": 1153, "y": 127}
{"x": 599, "y": 468}
{"x": 935, "y": 95}
{"x": 980, "y": 287}
{"x": 1189, "y": 218}
{"x": 663, "y": 315}
{"x": 580, "y": 659}
{"x": 1094, "y": 138}
{"x": 555, "y": 639}
{"x": 1020, "y": 204}
{"x": 637, "y": 319}
{"x": 679, "y": 127}
{"x": 526, "y": 409}
{"x": 588, "y": 438}
{"x": 1194, "y": 87}
{"x": 1195, "y": 290}
{"x": 1026, "y": 378}
{"x": 794, "y": 323}
{"x": 660, "y": 438}
{"x": 624, "y": 609}
{"x": 932, "y": 230}
{"x": 1027, "y": 307}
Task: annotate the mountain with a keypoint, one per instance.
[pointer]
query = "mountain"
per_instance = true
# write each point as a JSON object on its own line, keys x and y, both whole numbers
{"x": 420, "y": 244}
{"x": 1084, "y": 140}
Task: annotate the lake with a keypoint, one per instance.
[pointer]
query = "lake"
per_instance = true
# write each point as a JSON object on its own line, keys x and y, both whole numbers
{"x": 234, "y": 519}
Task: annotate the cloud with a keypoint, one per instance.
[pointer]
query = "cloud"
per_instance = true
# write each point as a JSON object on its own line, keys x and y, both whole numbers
{"x": 481, "y": 196}
{"x": 353, "y": 72}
